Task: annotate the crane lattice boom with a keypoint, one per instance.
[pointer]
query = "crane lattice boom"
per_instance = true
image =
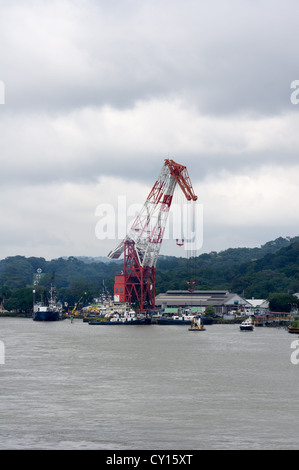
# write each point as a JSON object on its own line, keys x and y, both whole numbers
{"x": 142, "y": 244}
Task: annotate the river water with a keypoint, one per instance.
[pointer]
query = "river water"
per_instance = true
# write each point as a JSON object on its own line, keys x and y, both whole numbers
{"x": 76, "y": 386}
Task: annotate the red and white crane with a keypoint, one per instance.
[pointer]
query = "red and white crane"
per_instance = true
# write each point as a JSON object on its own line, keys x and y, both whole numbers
{"x": 142, "y": 243}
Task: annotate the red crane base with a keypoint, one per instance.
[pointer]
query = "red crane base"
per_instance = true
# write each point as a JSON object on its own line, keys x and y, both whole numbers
{"x": 137, "y": 282}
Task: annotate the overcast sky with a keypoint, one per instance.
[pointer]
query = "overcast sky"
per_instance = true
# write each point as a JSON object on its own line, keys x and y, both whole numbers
{"x": 98, "y": 93}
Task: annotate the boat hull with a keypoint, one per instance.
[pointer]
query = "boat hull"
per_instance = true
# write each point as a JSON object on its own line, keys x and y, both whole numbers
{"x": 145, "y": 321}
{"x": 246, "y": 328}
{"x": 181, "y": 321}
{"x": 293, "y": 329}
{"x": 46, "y": 316}
{"x": 170, "y": 321}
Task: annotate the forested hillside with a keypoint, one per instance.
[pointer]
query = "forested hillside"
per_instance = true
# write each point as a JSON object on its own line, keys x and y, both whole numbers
{"x": 253, "y": 272}
{"x": 71, "y": 276}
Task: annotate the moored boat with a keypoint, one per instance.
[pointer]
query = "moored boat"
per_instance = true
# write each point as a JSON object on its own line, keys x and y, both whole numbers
{"x": 126, "y": 318}
{"x": 145, "y": 321}
{"x": 175, "y": 320}
{"x": 48, "y": 311}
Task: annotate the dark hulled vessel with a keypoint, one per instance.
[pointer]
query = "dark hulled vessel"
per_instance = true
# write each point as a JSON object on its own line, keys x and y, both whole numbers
{"x": 48, "y": 311}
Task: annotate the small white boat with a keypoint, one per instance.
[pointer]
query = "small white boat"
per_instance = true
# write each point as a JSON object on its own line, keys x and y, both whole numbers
{"x": 247, "y": 325}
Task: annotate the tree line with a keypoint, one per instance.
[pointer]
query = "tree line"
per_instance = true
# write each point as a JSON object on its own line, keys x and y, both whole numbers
{"x": 260, "y": 272}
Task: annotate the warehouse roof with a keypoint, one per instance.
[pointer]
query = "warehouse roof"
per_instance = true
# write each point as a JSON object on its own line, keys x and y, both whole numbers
{"x": 173, "y": 298}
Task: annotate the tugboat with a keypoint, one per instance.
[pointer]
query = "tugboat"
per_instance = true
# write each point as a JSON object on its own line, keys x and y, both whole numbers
{"x": 196, "y": 325}
{"x": 48, "y": 311}
{"x": 247, "y": 325}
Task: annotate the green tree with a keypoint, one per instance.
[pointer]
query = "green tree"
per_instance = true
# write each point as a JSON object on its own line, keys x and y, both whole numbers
{"x": 210, "y": 311}
{"x": 82, "y": 291}
{"x": 16, "y": 272}
{"x": 281, "y": 302}
{"x": 5, "y": 293}
{"x": 21, "y": 300}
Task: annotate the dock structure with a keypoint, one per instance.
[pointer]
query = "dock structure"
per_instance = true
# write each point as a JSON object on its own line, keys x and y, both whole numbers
{"x": 274, "y": 319}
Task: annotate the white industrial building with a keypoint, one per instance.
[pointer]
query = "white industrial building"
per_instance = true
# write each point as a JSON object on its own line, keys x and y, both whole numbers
{"x": 222, "y": 300}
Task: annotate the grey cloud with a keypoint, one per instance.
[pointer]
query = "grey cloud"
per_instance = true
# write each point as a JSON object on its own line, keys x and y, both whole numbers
{"x": 101, "y": 89}
{"x": 224, "y": 57}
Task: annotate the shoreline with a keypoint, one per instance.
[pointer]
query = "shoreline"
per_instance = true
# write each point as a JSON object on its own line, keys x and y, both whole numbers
{"x": 209, "y": 321}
